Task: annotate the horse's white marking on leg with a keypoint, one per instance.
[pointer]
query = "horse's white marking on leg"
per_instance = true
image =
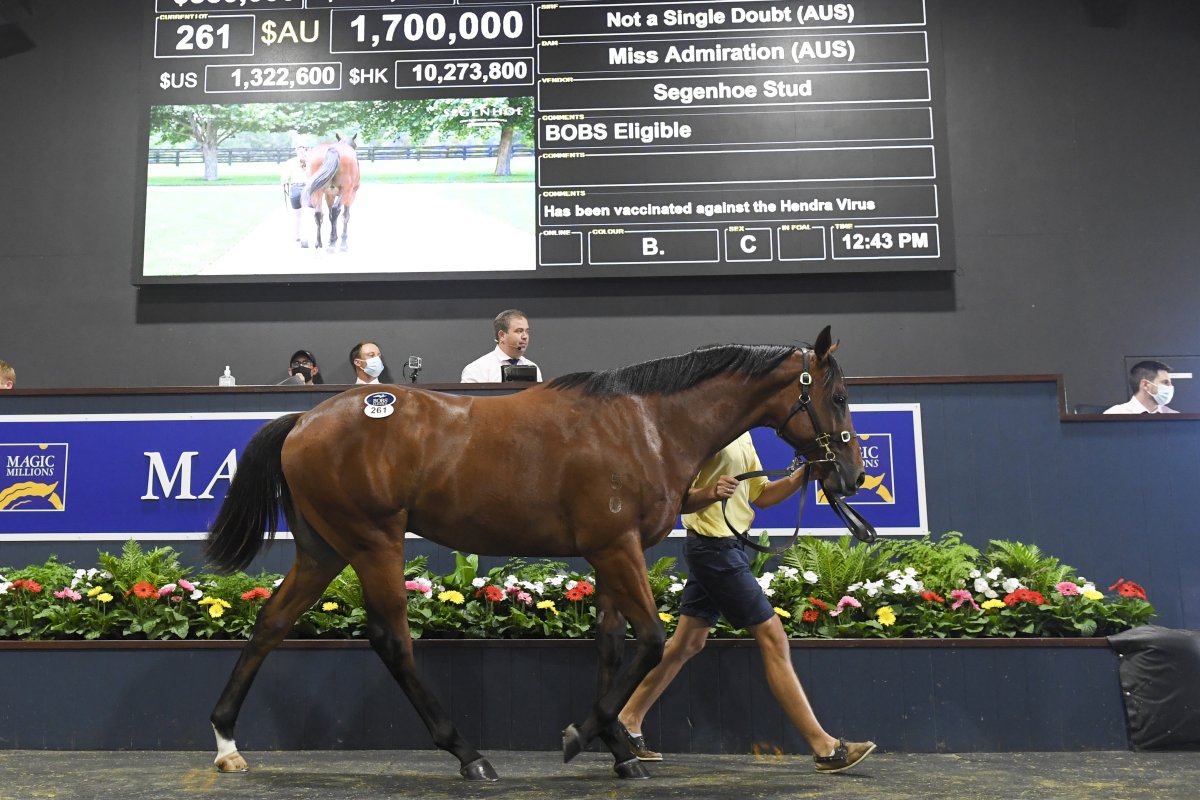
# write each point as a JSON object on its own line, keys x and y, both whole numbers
{"x": 227, "y": 749}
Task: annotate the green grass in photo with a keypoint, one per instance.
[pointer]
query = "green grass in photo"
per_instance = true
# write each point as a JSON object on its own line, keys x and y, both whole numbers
{"x": 189, "y": 229}
{"x": 438, "y": 170}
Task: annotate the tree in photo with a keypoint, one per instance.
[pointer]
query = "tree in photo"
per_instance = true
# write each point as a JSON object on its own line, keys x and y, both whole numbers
{"x": 210, "y": 125}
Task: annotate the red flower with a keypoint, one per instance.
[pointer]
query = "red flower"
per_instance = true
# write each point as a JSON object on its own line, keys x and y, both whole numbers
{"x": 1129, "y": 589}
{"x": 143, "y": 590}
{"x": 575, "y": 594}
{"x": 585, "y": 587}
{"x": 27, "y": 585}
{"x": 810, "y": 615}
{"x": 932, "y": 597}
{"x": 493, "y": 593}
{"x": 257, "y": 593}
{"x": 1024, "y": 596}
{"x": 821, "y": 604}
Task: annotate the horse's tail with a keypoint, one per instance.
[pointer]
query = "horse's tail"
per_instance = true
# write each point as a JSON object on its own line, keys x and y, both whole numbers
{"x": 256, "y": 495}
{"x": 324, "y": 175}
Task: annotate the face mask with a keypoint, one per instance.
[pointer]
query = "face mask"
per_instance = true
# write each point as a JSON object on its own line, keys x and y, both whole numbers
{"x": 374, "y": 366}
{"x": 305, "y": 372}
{"x": 1164, "y": 394}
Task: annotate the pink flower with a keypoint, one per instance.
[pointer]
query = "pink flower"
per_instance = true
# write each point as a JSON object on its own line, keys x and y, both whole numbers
{"x": 68, "y": 593}
{"x": 166, "y": 590}
{"x": 1067, "y": 589}
{"x": 525, "y": 598}
{"x": 962, "y": 596}
{"x": 186, "y": 585}
{"x": 846, "y": 600}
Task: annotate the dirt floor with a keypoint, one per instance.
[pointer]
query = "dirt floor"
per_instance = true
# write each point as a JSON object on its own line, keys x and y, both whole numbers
{"x": 431, "y": 775}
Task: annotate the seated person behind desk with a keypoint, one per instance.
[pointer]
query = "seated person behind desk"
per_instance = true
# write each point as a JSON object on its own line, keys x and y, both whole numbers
{"x": 8, "y": 375}
{"x": 512, "y": 338}
{"x": 367, "y": 360}
{"x": 1150, "y": 382}
{"x": 303, "y": 369}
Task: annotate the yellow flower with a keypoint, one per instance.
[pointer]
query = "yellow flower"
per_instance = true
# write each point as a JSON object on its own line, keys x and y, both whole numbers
{"x": 993, "y": 603}
{"x": 95, "y": 590}
{"x": 330, "y": 606}
{"x": 665, "y": 617}
{"x": 216, "y": 610}
{"x": 788, "y": 614}
{"x": 105, "y": 598}
{"x": 451, "y": 596}
{"x": 1092, "y": 594}
{"x": 215, "y": 602}
{"x": 886, "y": 615}
{"x": 548, "y": 604}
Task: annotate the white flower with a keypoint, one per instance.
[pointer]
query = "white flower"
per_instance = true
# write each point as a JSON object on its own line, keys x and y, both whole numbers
{"x": 1087, "y": 587}
{"x": 4, "y": 585}
{"x": 909, "y": 571}
{"x": 277, "y": 582}
{"x": 994, "y": 573}
{"x": 810, "y": 576}
{"x": 510, "y": 581}
{"x": 675, "y": 587}
{"x": 974, "y": 573}
{"x": 765, "y": 579}
{"x": 894, "y": 575}
{"x": 898, "y": 587}
{"x": 571, "y": 585}
{"x": 990, "y": 594}
{"x": 854, "y": 587}
{"x": 768, "y": 592}
{"x": 981, "y": 585}
{"x": 1010, "y": 585}
{"x": 556, "y": 580}
{"x": 196, "y": 595}
{"x": 479, "y": 583}
{"x": 873, "y": 587}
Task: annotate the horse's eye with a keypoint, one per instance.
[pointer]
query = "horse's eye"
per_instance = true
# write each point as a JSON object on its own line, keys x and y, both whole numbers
{"x": 840, "y": 399}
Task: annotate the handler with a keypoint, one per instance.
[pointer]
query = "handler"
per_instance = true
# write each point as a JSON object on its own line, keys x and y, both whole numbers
{"x": 720, "y": 583}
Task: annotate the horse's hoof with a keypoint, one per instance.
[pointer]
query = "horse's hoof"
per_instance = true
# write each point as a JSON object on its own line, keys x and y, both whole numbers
{"x": 632, "y": 769}
{"x": 304, "y": 245}
{"x": 232, "y": 763}
{"x": 572, "y": 743}
{"x": 479, "y": 770}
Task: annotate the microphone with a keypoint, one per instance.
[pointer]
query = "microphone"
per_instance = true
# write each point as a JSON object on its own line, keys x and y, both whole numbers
{"x": 414, "y": 366}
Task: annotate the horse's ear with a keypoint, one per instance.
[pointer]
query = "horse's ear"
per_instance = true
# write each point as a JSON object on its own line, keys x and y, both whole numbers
{"x": 825, "y": 344}
{"x": 338, "y": 136}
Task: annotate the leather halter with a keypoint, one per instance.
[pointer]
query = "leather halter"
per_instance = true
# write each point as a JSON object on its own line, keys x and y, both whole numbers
{"x": 822, "y": 444}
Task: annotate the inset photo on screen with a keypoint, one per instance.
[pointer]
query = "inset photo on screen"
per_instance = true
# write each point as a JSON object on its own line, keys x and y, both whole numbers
{"x": 341, "y": 188}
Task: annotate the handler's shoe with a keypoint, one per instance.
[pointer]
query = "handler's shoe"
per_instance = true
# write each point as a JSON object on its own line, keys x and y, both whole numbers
{"x": 844, "y": 756}
{"x": 637, "y": 743}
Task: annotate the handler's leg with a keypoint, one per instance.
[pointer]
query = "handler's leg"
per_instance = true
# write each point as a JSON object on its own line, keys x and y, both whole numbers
{"x": 830, "y": 754}
{"x": 785, "y": 685}
{"x": 687, "y": 641}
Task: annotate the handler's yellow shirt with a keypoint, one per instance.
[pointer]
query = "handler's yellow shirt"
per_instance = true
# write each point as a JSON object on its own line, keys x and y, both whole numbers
{"x": 735, "y": 458}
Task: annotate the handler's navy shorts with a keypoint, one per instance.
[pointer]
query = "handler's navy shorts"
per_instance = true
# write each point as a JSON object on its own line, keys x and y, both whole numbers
{"x": 295, "y": 191}
{"x": 720, "y": 583}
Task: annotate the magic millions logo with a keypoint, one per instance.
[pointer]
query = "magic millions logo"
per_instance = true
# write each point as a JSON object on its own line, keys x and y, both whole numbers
{"x": 880, "y": 484}
{"x": 33, "y": 477}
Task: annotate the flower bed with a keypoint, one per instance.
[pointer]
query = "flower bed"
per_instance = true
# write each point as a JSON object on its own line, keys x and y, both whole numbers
{"x": 940, "y": 588}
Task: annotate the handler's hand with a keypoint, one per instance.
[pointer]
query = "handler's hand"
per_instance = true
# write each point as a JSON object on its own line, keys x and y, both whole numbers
{"x": 725, "y": 486}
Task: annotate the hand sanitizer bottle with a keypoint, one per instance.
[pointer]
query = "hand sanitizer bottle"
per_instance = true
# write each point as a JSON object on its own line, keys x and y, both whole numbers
{"x": 227, "y": 379}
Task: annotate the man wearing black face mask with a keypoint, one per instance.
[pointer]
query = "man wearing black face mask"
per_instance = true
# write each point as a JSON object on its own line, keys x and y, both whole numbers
{"x": 304, "y": 366}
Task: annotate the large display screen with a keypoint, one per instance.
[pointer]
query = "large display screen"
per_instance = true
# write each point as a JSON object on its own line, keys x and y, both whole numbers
{"x": 367, "y": 139}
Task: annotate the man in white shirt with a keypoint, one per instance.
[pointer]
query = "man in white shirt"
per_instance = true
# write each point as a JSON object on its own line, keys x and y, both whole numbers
{"x": 1152, "y": 389}
{"x": 367, "y": 360}
{"x": 512, "y": 338}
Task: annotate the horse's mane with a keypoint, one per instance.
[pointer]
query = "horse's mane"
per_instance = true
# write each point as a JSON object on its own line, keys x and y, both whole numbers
{"x": 676, "y": 373}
